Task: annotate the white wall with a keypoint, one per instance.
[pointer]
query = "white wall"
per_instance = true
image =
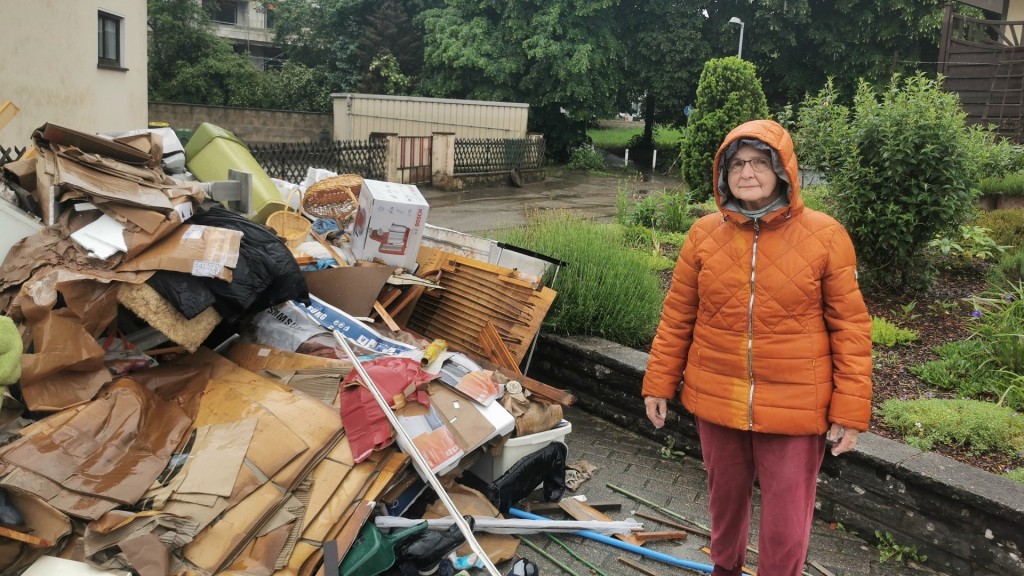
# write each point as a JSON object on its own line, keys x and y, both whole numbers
{"x": 48, "y": 67}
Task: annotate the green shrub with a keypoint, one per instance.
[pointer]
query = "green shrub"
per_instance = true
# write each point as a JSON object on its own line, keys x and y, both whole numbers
{"x": 887, "y": 334}
{"x": 962, "y": 368}
{"x": 606, "y": 290}
{"x": 818, "y": 197}
{"x": 586, "y": 158}
{"x": 668, "y": 210}
{"x": 1017, "y": 475}
{"x": 995, "y": 155}
{"x": 979, "y": 427}
{"x": 1008, "y": 269}
{"x": 1008, "y": 185}
{"x": 1006, "y": 227}
{"x": 907, "y": 176}
{"x": 728, "y": 94}
{"x": 966, "y": 248}
{"x": 823, "y": 131}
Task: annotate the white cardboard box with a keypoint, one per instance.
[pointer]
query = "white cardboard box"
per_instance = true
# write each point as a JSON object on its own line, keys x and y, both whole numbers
{"x": 389, "y": 223}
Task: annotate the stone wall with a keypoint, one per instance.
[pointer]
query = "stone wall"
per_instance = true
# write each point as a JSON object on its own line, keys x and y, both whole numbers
{"x": 966, "y": 521}
{"x": 251, "y": 125}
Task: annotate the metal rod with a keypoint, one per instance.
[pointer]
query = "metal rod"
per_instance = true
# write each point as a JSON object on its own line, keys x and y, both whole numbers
{"x": 406, "y": 444}
{"x": 660, "y": 557}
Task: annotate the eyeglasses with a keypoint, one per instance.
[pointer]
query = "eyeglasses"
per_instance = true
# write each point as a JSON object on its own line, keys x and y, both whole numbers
{"x": 759, "y": 164}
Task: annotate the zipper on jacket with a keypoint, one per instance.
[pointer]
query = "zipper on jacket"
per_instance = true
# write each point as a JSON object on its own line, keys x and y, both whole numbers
{"x": 750, "y": 328}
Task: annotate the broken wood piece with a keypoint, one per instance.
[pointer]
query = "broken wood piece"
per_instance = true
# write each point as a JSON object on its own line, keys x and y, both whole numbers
{"x": 335, "y": 550}
{"x": 28, "y": 539}
{"x": 745, "y": 570}
{"x": 546, "y": 507}
{"x": 821, "y": 569}
{"x": 672, "y": 524}
{"x": 663, "y": 535}
{"x": 496, "y": 350}
{"x": 330, "y": 249}
{"x": 638, "y": 566}
{"x": 385, "y": 316}
{"x": 583, "y": 511}
{"x": 7, "y": 111}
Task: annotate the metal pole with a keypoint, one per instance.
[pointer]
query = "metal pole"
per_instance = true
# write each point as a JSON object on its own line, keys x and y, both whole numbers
{"x": 740, "y": 54}
{"x": 406, "y": 444}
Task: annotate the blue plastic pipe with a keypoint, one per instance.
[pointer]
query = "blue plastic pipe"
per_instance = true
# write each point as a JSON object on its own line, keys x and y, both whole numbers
{"x": 623, "y": 545}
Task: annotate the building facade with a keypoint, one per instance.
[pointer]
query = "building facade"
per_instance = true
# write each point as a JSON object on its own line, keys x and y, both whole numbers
{"x": 79, "y": 64}
{"x": 249, "y": 27}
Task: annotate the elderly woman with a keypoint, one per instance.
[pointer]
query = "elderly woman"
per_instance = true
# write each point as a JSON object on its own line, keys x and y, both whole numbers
{"x": 765, "y": 331}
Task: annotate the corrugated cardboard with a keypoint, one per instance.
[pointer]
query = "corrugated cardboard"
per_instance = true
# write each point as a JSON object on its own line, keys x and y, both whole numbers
{"x": 351, "y": 289}
{"x": 42, "y": 521}
{"x": 203, "y": 251}
{"x": 22, "y": 172}
{"x": 91, "y": 143}
{"x": 389, "y": 223}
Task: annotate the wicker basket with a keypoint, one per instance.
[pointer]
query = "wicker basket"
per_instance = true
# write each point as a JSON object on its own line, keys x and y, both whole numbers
{"x": 333, "y": 197}
{"x": 291, "y": 226}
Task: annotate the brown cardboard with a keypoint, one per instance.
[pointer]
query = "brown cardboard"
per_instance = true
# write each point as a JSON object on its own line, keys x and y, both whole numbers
{"x": 91, "y": 143}
{"x": 22, "y": 172}
{"x": 255, "y": 357}
{"x": 41, "y": 520}
{"x": 131, "y": 435}
{"x": 352, "y": 289}
{"x": 460, "y": 415}
{"x": 204, "y": 251}
{"x": 75, "y": 176}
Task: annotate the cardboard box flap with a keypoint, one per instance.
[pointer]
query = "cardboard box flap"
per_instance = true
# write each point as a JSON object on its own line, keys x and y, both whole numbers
{"x": 91, "y": 143}
{"x": 352, "y": 290}
{"x": 204, "y": 251}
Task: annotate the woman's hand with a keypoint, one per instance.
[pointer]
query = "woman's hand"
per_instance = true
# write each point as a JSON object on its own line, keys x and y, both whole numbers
{"x": 656, "y": 410}
{"x": 842, "y": 439}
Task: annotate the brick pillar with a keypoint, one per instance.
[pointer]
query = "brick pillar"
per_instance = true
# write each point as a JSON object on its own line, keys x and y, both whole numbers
{"x": 443, "y": 160}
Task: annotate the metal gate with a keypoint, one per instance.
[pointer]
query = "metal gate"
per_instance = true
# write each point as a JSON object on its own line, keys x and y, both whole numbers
{"x": 414, "y": 166}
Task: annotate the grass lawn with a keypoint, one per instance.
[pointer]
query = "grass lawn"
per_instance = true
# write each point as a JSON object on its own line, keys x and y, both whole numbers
{"x": 616, "y": 138}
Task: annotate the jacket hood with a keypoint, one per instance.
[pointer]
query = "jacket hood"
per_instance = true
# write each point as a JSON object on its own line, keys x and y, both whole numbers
{"x": 779, "y": 140}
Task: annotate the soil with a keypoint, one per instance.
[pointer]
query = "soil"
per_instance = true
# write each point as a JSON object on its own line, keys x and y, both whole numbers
{"x": 939, "y": 316}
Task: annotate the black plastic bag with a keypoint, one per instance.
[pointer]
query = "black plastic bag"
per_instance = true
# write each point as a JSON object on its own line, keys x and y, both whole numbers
{"x": 546, "y": 466}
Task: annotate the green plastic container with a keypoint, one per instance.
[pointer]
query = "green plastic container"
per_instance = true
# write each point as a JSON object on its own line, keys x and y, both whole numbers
{"x": 212, "y": 151}
{"x": 373, "y": 552}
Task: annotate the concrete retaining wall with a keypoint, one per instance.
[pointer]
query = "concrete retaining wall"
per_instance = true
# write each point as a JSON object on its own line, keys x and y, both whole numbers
{"x": 966, "y": 521}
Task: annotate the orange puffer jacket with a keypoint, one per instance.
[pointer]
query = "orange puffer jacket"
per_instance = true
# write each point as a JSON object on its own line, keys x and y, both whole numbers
{"x": 796, "y": 356}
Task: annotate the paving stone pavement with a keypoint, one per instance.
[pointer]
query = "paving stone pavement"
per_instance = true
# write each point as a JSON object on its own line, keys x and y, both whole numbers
{"x": 632, "y": 462}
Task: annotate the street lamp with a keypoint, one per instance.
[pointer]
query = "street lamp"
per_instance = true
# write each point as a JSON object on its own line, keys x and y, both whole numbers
{"x": 735, "y": 20}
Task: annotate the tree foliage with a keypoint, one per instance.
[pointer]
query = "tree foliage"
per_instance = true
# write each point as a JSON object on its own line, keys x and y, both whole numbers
{"x": 729, "y": 94}
{"x": 563, "y": 57}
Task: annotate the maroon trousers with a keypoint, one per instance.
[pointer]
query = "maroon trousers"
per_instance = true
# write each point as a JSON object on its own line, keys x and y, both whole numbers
{"x": 787, "y": 468}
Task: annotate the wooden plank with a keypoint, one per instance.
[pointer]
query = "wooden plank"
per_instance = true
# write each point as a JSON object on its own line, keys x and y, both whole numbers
{"x": 335, "y": 550}
{"x": 821, "y": 569}
{"x": 7, "y": 111}
{"x": 745, "y": 570}
{"x": 496, "y": 350}
{"x": 544, "y": 508}
{"x": 28, "y": 539}
{"x": 582, "y": 511}
{"x": 383, "y": 313}
{"x": 672, "y": 524}
{"x": 664, "y": 535}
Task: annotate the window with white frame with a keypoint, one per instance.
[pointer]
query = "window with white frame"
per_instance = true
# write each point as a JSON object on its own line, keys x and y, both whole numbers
{"x": 109, "y": 30}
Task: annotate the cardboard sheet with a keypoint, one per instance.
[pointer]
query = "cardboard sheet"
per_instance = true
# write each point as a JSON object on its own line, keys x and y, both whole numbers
{"x": 203, "y": 251}
{"x": 218, "y": 454}
{"x": 91, "y": 143}
{"x": 42, "y": 521}
{"x": 114, "y": 448}
{"x": 351, "y": 289}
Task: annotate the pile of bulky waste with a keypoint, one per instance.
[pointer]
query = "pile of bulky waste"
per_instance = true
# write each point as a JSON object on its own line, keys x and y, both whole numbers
{"x": 202, "y": 375}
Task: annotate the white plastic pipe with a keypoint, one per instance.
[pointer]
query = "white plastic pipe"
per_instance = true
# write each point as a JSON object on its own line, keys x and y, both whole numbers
{"x": 518, "y": 526}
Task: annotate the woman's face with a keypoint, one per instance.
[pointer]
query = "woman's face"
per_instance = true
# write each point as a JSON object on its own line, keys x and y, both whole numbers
{"x": 752, "y": 180}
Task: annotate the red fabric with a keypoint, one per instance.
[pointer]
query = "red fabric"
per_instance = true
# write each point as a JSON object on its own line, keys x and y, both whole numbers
{"x": 366, "y": 425}
{"x": 787, "y": 469}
